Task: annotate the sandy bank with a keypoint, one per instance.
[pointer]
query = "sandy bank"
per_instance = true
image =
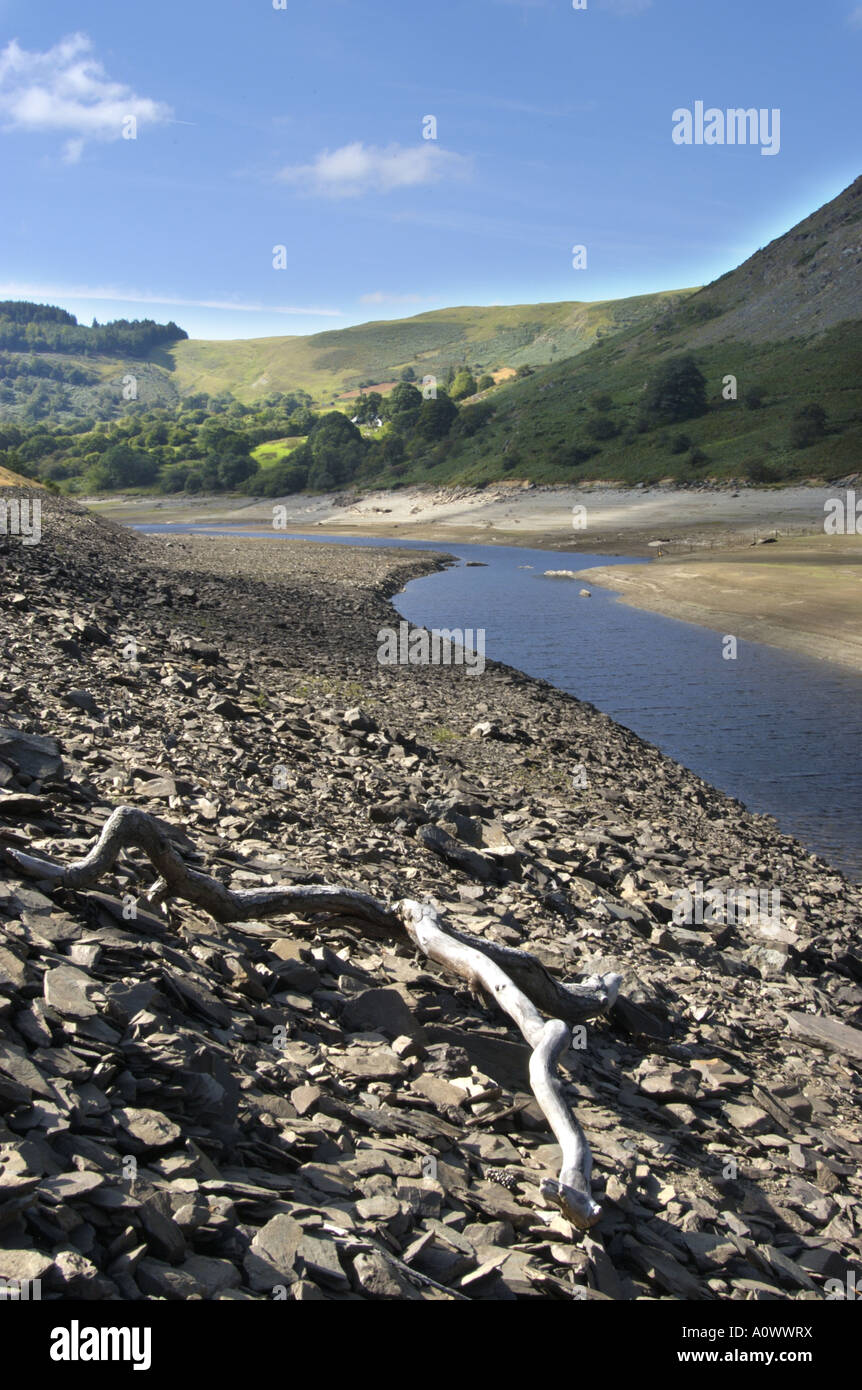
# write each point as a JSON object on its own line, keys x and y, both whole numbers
{"x": 804, "y": 595}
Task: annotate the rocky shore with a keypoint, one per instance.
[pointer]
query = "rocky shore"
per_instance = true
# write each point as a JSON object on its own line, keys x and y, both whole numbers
{"x": 297, "y": 1109}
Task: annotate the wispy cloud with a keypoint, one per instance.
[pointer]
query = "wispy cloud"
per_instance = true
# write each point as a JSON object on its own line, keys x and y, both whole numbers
{"x": 854, "y": 19}
{"x": 486, "y": 101}
{"x": 382, "y": 297}
{"x": 16, "y": 289}
{"x": 623, "y": 7}
{"x": 357, "y": 169}
{"x": 66, "y": 89}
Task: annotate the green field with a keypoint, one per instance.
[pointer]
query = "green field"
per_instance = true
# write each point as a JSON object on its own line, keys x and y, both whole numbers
{"x": 265, "y": 455}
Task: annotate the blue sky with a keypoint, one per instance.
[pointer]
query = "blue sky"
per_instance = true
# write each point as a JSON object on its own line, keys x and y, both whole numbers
{"x": 302, "y": 127}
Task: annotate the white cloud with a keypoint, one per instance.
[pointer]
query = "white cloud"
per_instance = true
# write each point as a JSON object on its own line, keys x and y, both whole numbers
{"x": 18, "y": 290}
{"x": 854, "y": 19}
{"x": 355, "y": 169}
{"x": 65, "y": 89}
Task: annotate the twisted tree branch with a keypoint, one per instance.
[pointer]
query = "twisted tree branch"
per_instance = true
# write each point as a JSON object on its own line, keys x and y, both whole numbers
{"x": 520, "y": 984}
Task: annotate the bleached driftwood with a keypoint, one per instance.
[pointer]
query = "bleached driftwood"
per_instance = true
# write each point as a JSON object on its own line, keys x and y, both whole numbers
{"x": 548, "y": 1039}
{"x": 518, "y": 982}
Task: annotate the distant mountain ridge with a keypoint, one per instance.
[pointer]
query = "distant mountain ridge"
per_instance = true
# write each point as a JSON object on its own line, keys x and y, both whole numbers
{"x": 338, "y": 360}
{"x": 41, "y": 357}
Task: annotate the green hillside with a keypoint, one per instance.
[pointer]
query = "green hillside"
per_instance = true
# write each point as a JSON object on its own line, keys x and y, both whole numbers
{"x": 549, "y": 429}
{"x": 327, "y": 364}
{"x": 53, "y": 368}
{"x": 785, "y": 324}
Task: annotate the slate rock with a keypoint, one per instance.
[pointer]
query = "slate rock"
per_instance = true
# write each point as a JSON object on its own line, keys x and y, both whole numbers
{"x": 159, "y": 1280}
{"x": 79, "y": 1278}
{"x": 67, "y": 990}
{"x": 273, "y": 1255}
{"x": 84, "y": 701}
{"x": 36, "y": 756}
{"x": 383, "y": 1011}
{"x": 750, "y": 1119}
{"x": 148, "y": 1129}
{"x": 24, "y": 1265}
{"x": 165, "y": 1238}
{"x": 212, "y": 1276}
{"x": 378, "y": 1277}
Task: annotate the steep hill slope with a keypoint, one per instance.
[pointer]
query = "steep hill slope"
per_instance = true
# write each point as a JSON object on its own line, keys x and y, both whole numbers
{"x": 785, "y": 325}
{"x": 10, "y": 479}
{"x": 803, "y": 283}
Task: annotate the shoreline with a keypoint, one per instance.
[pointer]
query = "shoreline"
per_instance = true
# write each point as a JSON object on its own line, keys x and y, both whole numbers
{"x": 710, "y": 566}
{"x": 611, "y": 520}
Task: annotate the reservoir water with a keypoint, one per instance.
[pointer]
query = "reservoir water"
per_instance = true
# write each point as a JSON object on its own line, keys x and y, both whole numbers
{"x": 779, "y": 732}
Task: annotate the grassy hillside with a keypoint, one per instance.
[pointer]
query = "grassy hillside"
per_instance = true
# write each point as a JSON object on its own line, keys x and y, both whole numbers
{"x": 327, "y": 364}
{"x": 540, "y": 423}
{"x": 10, "y": 479}
{"x": 39, "y": 383}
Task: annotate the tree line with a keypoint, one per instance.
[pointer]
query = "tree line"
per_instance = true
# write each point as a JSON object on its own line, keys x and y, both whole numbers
{"x": 209, "y": 443}
{"x": 26, "y": 327}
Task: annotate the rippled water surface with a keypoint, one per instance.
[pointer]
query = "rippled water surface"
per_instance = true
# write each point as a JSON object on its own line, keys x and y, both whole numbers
{"x": 781, "y": 733}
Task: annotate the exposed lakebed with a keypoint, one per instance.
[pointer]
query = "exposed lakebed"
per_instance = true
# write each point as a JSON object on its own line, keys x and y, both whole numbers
{"x": 779, "y": 732}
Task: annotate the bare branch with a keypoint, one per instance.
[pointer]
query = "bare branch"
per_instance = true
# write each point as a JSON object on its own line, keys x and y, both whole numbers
{"x": 547, "y": 1039}
{"x": 518, "y": 982}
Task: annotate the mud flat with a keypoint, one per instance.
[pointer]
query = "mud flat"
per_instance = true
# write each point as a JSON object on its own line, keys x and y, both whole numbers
{"x": 615, "y": 519}
{"x": 718, "y": 566}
